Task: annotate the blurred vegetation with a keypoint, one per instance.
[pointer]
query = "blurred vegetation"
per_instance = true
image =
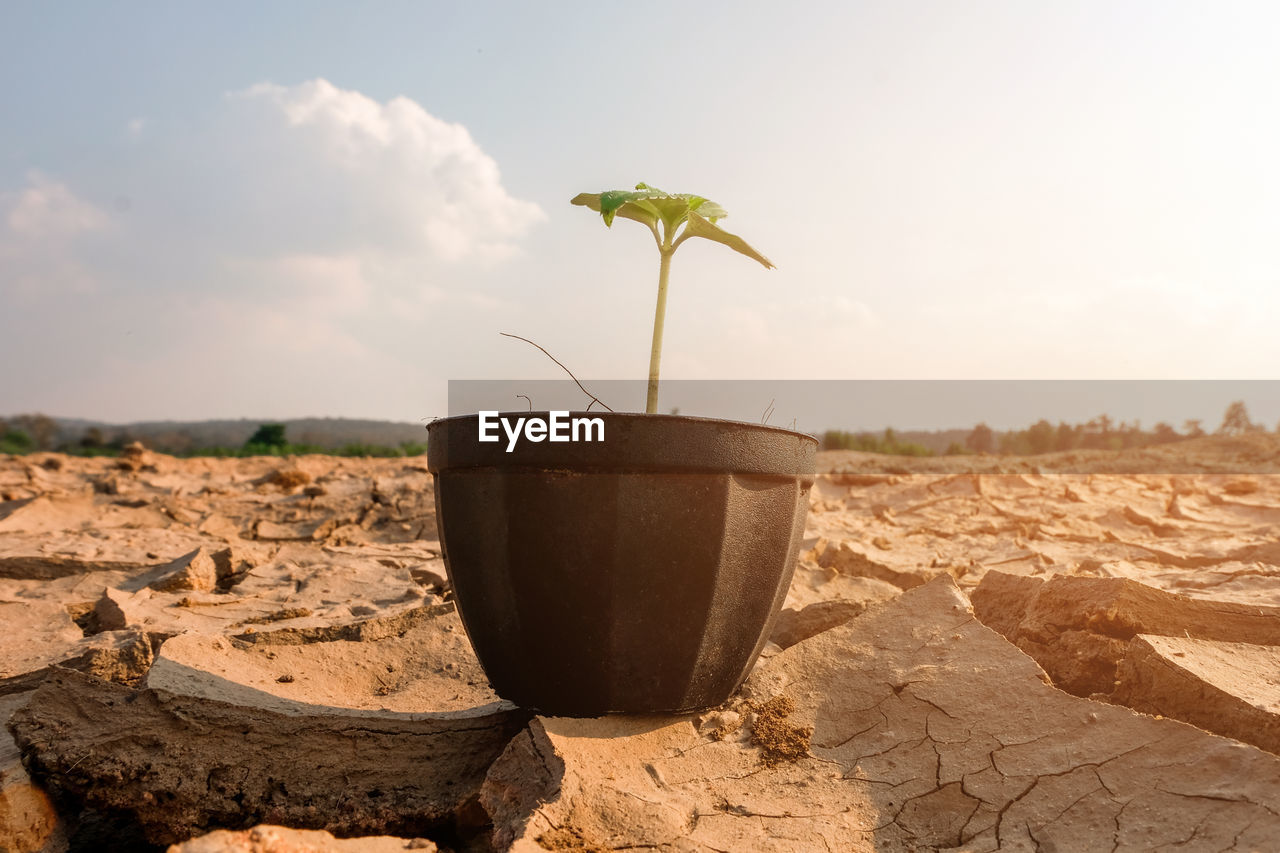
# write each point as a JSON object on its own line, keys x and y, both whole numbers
{"x": 266, "y": 437}
{"x": 16, "y": 441}
{"x": 36, "y": 433}
{"x": 408, "y": 448}
{"x": 27, "y": 433}
{"x": 868, "y": 442}
{"x": 1100, "y": 433}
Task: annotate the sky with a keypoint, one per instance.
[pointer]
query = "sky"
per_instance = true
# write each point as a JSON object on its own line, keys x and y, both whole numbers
{"x": 332, "y": 209}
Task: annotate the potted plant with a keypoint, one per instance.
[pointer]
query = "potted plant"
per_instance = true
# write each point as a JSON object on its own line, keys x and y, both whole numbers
{"x": 637, "y": 564}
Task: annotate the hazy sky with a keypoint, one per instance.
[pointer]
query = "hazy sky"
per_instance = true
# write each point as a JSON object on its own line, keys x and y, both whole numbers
{"x": 290, "y": 209}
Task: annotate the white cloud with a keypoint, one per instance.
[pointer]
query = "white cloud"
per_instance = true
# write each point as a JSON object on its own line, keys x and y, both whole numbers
{"x": 307, "y": 230}
{"x": 280, "y": 173}
{"x": 43, "y": 224}
{"x": 48, "y": 210}
{"x": 367, "y": 174}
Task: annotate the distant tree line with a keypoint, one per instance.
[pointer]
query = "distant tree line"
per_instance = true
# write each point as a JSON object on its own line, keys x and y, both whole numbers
{"x": 35, "y": 433}
{"x": 27, "y": 433}
{"x": 270, "y": 440}
{"x": 1100, "y": 433}
{"x": 868, "y": 442}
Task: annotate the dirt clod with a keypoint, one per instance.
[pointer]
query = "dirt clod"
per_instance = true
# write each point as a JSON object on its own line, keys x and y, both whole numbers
{"x": 570, "y": 839}
{"x": 287, "y": 479}
{"x": 778, "y": 739}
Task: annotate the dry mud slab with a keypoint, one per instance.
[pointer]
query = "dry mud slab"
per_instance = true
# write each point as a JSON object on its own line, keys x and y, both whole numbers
{"x": 821, "y": 597}
{"x": 280, "y": 839}
{"x": 1229, "y": 688}
{"x": 1196, "y": 517}
{"x": 924, "y": 730}
{"x": 1079, "y": 628}
{"x": 28, "y": 819}
{"x": 386, "y": 732}
{"x": 90, "y": 548}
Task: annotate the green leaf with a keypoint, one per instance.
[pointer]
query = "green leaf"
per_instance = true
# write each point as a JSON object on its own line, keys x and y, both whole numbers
{"x": 608, "y": 205}
{"x": 672, "y": 209}
{"x": 710, "y": 210}
{"x": 614, "y": 199}
{"x": 700, "y": 226}
{"x": 648, "y": 205}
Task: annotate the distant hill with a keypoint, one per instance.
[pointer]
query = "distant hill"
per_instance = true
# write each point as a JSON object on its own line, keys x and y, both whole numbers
{"x": 184, "y": 436}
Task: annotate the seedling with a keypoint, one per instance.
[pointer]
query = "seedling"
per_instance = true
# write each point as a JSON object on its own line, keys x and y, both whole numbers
{"x": 682, "y": 216}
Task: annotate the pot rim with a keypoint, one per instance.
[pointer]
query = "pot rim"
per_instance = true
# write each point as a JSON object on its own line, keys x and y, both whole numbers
{"x": 637, "y": 415}
{"x": 631, "y": 441}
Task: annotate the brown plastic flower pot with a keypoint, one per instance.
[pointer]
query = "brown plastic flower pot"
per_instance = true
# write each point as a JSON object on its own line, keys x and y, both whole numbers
{"x": 641, "y": 573}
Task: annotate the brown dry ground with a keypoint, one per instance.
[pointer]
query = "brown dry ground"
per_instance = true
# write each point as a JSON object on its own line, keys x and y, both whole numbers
{"x": 1166, "y": 517}
{"x": 102, "y": 561}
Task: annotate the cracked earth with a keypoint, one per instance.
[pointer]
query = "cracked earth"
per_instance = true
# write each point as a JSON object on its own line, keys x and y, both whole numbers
{"x": 1058, "y": 653}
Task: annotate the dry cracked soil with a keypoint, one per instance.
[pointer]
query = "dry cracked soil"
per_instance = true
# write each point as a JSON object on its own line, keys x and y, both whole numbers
{"x": 1057, "y": 653}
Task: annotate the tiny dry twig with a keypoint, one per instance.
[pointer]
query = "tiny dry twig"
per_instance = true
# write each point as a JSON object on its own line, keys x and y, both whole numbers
{"x": 768, "y": 412}
{"x": 593, "y": 397}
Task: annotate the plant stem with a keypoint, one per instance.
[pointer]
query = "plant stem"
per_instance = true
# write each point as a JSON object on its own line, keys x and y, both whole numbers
{"x": 655, "y": 355}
